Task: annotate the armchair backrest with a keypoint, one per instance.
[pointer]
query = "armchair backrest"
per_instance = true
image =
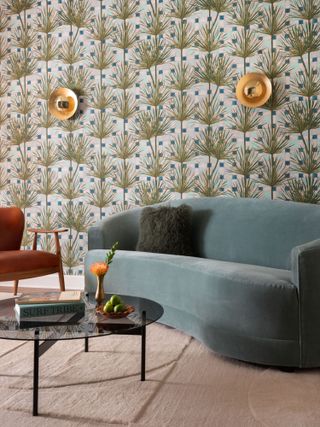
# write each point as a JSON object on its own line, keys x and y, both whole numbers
{"x": 11, "y": 228}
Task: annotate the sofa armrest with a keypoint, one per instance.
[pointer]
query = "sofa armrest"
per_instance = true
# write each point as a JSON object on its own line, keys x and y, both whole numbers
{"x": 122, "y": 227}
{"x": 305, "y": 264}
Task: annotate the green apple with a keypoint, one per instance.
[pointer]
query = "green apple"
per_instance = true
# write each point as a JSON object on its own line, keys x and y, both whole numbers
{"x": 119, "y": 308}
{"x": 108, "y": 307}
{"x": 115, "y": 300}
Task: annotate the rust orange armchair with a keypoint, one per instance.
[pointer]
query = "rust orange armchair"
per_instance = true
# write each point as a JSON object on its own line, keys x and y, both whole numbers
{"x": 17, "y": 264}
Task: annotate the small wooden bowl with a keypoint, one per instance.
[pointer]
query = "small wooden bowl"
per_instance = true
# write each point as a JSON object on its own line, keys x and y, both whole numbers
{"x": 128, "y": 309}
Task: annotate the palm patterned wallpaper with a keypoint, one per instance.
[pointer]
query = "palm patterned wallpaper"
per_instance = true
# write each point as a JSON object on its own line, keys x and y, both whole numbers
{"x": 158, "y": 116}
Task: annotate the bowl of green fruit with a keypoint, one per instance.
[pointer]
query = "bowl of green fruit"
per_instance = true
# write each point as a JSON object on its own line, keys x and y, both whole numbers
{"x": 115, "y": 308}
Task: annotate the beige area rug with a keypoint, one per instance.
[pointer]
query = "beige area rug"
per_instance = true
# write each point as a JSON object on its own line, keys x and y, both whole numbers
{"x": 187, "y": 385}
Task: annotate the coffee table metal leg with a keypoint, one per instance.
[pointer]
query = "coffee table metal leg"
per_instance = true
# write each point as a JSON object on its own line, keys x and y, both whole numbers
{"x": 86, "y": 344}
{"x": 35, "y": 377}
{"x": 143, "y": 347}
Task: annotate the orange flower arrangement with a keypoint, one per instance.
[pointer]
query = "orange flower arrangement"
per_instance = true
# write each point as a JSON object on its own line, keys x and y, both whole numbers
{"x": 99, "y": 268}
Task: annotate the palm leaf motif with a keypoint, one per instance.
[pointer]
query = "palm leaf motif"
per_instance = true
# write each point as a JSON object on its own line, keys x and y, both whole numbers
{"x": 273, "y": 172}
{"x": 71, "y": 51}
{"x": 215, "y": 143}
{"x": 181, "y": 108}
{"x": 245, "y": 188}
{"x": 218, "y": 6}
{"x": 181, "y": 35}
{"x": 151, "y": 124}
{"x": 22, "y": 195}
{"x": 209, "y": 38}
{"x": 245, "y": 44}
{"x": 181, "y": 149}
{"x": 101, "y": 57}
{"x": 23, "y": 38}
{"x": 3, "y": 86}
{"x": 181, "y": 77}
{"x": 182, "y": 9}
{"x": 21, "y": 65}
{"x": 245, "y": 14}
{"x": 305, "y": 9}
{"x": 244, "y": 119}
{"x": 124, "y": 9}
{"x": 17, "y": 6}
{"x": 102, "y": 195}
{"x": 182, "y": 180}
{"x": 125, "y": 176}
{"x": 101, "y": 29}
{"x": 272, "y": 140}
{"x": 48, "y": 20}
{"x": 47, "y": 183}
{"x": 47, "y": 50}
{"x": 100, "y": 166}
{"x": 76, "y": 13}
{"x": 150, "y": 193}
{"x": 151, "y": 53}
{"x": 70, "y": 187}
{"x": 306, "y": 85}
{"x": 272, "y": 63}
{"x": 101, "y": 127}
{"x": 77, "y": 80}
{"x": 216, "y": 70}
{"x": 155, "y": 22}
{"x": 209, "y": 184}
{"x": 125, "y": 36}
{"x": 75, "y": 148}
{"x": 273, "y": 21}
{"x": 3, "y": 22}
{"x": 102, "y": 97}
{"x": 124, "y": 77}
{"x": 301, "y": 116}
{"x": 125, "y": 146}
{"x": 44, "y": 88}
{"x": 155, "y": 165}
{"x": 302, "y": 39}
{"x": 304, "y": 190}
{"x": 124, "y": 106}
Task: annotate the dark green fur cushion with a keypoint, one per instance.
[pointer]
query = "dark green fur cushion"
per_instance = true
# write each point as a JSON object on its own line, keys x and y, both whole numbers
{"x": 166, "y": 230}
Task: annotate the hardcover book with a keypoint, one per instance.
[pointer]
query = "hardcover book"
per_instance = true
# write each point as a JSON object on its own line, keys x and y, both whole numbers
{"x": 50, "y": 298}
{"x": 36, "y": 310}
{"x": 58, "y": 319}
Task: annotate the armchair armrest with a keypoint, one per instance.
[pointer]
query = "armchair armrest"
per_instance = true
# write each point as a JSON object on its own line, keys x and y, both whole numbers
{"x": 41, "y": 230}
{"x": 56, "y": 232}
{"x": 305, "y": 264}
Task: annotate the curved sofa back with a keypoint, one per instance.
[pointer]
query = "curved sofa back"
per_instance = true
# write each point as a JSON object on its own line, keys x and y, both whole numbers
{"x": 250, "y": 231}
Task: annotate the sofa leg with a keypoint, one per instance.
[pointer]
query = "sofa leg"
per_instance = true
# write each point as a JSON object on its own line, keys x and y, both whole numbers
{"x": 15, "y": 287}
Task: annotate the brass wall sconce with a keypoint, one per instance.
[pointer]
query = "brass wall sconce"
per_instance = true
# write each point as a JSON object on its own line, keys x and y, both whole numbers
{"x": 253, "y": 90}
{"x": 63, "y": 103}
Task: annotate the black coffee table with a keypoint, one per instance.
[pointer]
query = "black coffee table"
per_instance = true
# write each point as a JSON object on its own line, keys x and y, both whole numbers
{"x": 89, "y": 326}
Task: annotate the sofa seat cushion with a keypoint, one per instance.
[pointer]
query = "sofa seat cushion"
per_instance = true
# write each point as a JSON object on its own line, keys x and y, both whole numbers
{"x": 20, "y": 261}
{"x": 240, "y": 298}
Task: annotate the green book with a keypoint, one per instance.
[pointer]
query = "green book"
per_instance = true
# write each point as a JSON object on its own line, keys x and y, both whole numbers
{"x": 36, "y": 310}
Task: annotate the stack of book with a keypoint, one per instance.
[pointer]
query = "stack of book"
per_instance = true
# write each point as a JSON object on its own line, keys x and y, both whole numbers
{"x": 50, "y": 307}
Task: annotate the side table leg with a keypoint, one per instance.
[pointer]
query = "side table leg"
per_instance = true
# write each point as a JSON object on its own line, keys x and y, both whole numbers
{"x": 143, "y": 347}
{"x": 35, "y": 377}
{"x": 86, "y": 344}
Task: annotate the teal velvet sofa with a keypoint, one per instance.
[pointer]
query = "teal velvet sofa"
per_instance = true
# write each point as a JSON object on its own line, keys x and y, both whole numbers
{"x": 252, "y": 292}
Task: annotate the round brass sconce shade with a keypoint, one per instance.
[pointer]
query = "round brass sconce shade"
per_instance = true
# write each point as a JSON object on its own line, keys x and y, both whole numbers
{"x": 63, "y": 103}
{"x": 253, "y": 90}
